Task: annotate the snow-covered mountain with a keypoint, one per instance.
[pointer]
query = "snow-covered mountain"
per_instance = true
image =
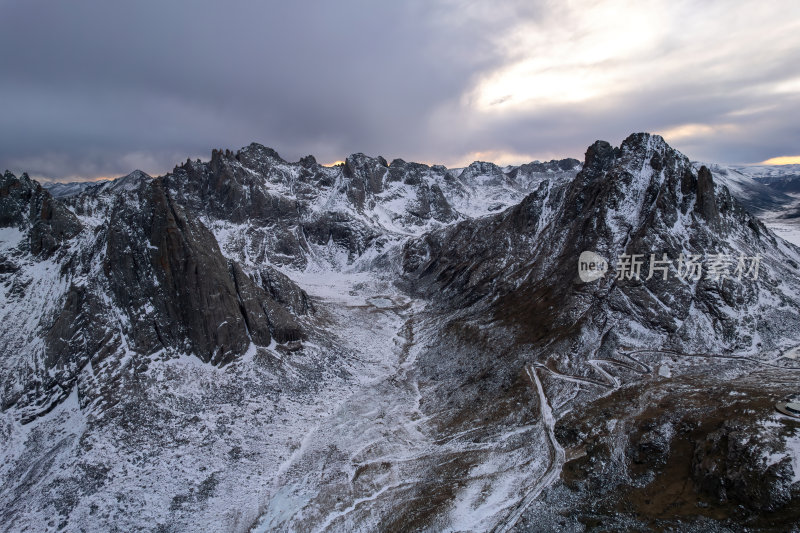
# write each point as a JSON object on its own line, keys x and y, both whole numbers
{"x": 742, "y": 183}
{"x": 63, "y": 190}
{"x": 786, "y": 177}
{"x": 249, "y": 344}
{"x": 770, "y": 191}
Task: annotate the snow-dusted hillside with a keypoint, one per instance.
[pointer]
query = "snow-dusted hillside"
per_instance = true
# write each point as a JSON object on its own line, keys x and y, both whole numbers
{"x": 63, "y": 190}
{"x": 770, "y": 191}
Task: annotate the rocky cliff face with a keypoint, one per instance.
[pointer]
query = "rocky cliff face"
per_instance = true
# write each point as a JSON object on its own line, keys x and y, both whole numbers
{"x": 167, "y": 269}
{"x": 29, "y": 208}
{"x": 644, "y": 199}
{"x": 147, "y": 279}
{"x": 285, "y": 346}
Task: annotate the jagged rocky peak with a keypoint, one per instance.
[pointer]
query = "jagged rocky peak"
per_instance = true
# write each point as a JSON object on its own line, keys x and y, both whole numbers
{"x": 706, "y": 202}
{"x": 642, "y": 198}
{"x": 482, "y": 168}
{"x": 234, "y": 187}
{"x": 600, "y": 155}
{"x": 226, "y": 163}
{"x": 366, "y": 175}
{"x": 411, "y": 173}
{"x": 647, "y": 194}
{"x": 308, "y": 162}
{"x": 131, "y": 181}
{"x": 25, "y": 205}
{"x": 646, "y": 180}
{"x": 360, "y": 160}
{"x": 355, "y": 205}
{"x": 615, "y": 184}
{"x": 158, "y": 258}
{"x": 164, "y": 287}
{"x": 163, "y": 259}
{"x": 258, "y": 157}
{"x": 554, "y": 165}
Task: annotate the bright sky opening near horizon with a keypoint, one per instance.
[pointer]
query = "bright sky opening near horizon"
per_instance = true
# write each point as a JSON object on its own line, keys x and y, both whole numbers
{"x": 96, "y": 89}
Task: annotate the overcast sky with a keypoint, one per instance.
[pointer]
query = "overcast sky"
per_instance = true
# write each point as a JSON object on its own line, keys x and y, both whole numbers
{"x": 99, "y": 88}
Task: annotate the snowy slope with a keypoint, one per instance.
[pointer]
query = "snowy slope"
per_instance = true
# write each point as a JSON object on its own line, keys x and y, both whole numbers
{"x": 770, "y": 191}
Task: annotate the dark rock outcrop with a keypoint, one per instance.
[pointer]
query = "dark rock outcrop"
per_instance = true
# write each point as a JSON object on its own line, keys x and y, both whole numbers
{"x": 706, "y": 204}
{"x": 167, "y": 272}
{"x": 283, "y": 290}
{"x": 26, "y": 205}
{"x": 364, "y": 177}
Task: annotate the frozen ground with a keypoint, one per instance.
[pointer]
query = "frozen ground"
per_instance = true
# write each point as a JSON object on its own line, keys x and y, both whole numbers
{"x": 786, "y": 228}
{"x": 378, "y": 446}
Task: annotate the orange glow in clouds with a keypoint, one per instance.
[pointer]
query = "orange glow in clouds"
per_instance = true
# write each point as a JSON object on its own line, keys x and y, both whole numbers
{"x": 783, "y": 160}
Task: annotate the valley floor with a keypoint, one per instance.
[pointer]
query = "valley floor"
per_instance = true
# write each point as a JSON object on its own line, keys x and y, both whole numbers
{"x": 786, "y": 228}
{"x": 375, "y": 450}
{"x": 337, "y": 435}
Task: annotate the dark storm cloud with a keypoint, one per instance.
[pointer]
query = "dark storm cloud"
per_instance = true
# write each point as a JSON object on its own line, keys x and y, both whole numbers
{"x": 88, "y": 83}
{"x": 99, "y": 88}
